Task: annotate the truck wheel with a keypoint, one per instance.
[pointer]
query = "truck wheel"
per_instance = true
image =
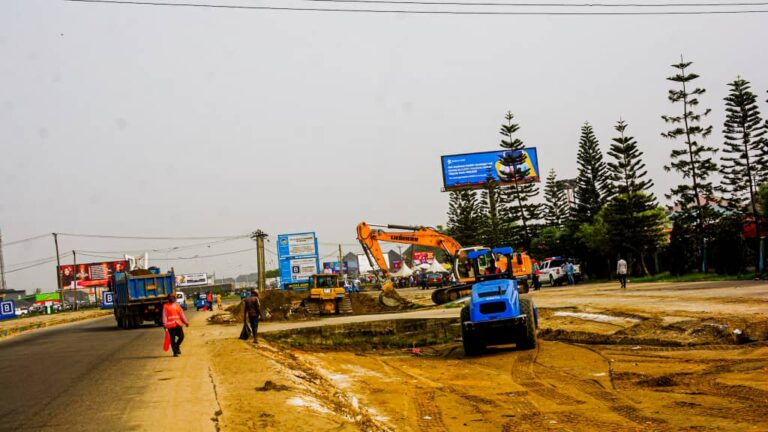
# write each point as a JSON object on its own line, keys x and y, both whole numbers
{"x": 528, "y": 340}
{"x": 523, "y": 286}
{"x": 551, "y": 281}
{"x": 472, "y": 346}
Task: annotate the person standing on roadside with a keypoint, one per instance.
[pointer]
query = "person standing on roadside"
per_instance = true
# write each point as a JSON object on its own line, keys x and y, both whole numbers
{"x": 252, "y": 312}
{"x": 173, "y": 319}
{"x": 209, "y": 300}
{"x": 536, "y": 272}
{"x": 569, "y": 271}
{"x": 621, "y": 272}
{"x": 218, "y": 301}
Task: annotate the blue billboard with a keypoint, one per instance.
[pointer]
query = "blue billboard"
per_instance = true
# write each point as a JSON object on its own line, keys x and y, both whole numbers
{"x": 297, "y": 254}
{"x": 472, "y": 170}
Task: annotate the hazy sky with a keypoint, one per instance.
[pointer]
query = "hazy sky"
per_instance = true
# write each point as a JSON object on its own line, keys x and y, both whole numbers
{"x": 170, "y": 121}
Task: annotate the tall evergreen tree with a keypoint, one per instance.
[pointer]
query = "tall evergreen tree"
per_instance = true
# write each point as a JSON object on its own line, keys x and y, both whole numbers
{"x": 519, "y": 206}
{"x": 743, "y": 162}
{"x": 634, "y": 223}
{"x": 592, "y": 186}
{"x": 464, "y": 216}
{"x": 493, "y": 230}
{"x": 556, "y": 211}
{"x": 694, "y": 160}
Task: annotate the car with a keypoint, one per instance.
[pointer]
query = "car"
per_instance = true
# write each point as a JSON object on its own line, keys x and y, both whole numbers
{"x": 435, "y": 280}
{"x": 553, "y": 271}
{"x": 21, "y": 311}
{"x": 181, "y": 299}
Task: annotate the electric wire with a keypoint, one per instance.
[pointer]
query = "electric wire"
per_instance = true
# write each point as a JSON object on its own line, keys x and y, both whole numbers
{"x": 422, "y": 12}
{"x": 11, "y": 243}
{"x": 106, "y": 236}
{"x": 523, "y": 4}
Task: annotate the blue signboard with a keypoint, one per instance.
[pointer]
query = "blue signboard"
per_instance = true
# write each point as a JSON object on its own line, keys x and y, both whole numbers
{"x": 471, "y": 170}
{"x": 7, "y": 309}
{"x": 297, "y": 254}
{"x": 107, "y": 300}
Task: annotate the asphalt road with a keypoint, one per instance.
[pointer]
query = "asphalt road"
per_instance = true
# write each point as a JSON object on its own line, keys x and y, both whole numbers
{"x": 88, "y": 375}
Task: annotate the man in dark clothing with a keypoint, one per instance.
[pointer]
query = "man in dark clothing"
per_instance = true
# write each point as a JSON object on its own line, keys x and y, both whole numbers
{"x": 252, "y": 312}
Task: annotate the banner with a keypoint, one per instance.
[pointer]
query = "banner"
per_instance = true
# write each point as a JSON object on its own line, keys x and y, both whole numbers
{"x": 333, "y": 267}
{"x": 297, "y": 257}
{"x": 91, "y": 274}
{"x": 191, "y": 279}
{"x": 472, "y": 170}
{"x": 423, "y": 258}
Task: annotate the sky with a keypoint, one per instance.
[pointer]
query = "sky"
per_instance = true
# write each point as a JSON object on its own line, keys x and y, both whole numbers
{"x": 179, "y": 122}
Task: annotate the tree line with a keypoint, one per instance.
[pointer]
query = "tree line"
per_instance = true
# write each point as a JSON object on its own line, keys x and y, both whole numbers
{"x": 609, "y": 210}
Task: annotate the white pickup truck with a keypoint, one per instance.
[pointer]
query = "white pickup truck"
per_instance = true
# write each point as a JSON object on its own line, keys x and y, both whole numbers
{"x": 553, "y": 271}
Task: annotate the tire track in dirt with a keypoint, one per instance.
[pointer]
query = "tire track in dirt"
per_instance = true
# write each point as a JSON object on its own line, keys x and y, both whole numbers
{"x": 522, "y": 373}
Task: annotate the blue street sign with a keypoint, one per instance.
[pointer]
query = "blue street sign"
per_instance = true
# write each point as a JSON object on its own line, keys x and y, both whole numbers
{"x": 7, "y": 309}
{"x": 107, "y": 300}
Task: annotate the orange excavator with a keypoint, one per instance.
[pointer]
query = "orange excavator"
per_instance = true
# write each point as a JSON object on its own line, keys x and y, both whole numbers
{"x": 465, "y": 269}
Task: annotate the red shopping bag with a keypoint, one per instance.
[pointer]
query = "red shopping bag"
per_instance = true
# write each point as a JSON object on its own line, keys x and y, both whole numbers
{"x": 167, "y": 341}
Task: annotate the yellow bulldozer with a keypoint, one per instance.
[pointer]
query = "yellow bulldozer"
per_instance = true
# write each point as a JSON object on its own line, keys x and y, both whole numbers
{"x": 327, "y": 296}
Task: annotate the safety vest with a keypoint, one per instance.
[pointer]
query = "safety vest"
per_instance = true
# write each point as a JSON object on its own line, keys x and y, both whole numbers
{"x": 172, "y": 315}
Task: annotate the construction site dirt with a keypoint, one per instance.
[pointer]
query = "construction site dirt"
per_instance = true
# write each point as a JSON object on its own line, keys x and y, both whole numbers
{"x": 656, "y": 357}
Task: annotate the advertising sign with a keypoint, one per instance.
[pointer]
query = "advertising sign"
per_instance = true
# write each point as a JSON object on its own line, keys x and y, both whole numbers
{"x": 297, "y": 244}
{"x": 471, "y": 170}
{"x": 333, "y": 267}
{"x": 191, "y": 279}
{"x": 423, "y": 258}
{"x": 7, "y": 309}
{"x": 91, "y": 274}
{"x": 297, "y": 269}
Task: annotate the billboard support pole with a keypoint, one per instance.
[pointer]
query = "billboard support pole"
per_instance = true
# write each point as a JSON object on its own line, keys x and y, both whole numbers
{"x": 74, "y": 292}
{"x": 58, "y": 270}
{"x": 341, "y": 263}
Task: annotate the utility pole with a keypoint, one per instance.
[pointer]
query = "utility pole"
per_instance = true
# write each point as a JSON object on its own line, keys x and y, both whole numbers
{"x": 3, "y": 286}
{"x": 58, "y": 271}
{"x": 259, "y": 237}
{"x": 341, "y": 263}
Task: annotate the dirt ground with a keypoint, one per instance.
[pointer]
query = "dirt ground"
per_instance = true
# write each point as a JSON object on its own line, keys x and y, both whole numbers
{"x": 657, "y": 357}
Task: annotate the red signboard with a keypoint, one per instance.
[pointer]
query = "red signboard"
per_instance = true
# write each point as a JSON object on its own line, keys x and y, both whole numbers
{"x": 91, "y": 274}
{"x": 423, "y": 258}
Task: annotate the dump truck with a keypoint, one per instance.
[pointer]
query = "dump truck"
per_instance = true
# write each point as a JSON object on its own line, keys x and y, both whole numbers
{"x": 139, "y": 296}
{"x": 326, "y": 295}
{"x": 497, "y": 314}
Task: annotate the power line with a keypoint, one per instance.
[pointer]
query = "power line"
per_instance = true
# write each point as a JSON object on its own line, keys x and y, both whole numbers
{"x": 85, "y": 253}
{"x": 547, "y": 5}
{"x": 26, "y": 239}
{"x": 423, "y": 12}
{"x": 34, "y": 265}
{"x": 152, "y": 237}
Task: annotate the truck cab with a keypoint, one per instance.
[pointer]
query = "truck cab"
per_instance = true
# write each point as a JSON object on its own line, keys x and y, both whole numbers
{"x": 498, "y": 314}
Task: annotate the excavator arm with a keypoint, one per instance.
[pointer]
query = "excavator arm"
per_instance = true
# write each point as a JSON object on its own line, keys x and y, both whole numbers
{"x": 369, "y": 238}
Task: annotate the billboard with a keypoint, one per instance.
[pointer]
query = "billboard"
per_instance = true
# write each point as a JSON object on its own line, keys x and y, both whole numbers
{"x": 297, "y": 244}
{"x": 191, "y": 279}
{"x": 91, "y": 274}
{"x": 333, "y": 267}
{"x": 471, "y": 170}
{"x": 297, "y": 256}
{"x": 423, "y": 258}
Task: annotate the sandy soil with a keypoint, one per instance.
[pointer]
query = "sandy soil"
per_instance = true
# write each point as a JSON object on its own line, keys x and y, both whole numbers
{"x": 656, "y": 357}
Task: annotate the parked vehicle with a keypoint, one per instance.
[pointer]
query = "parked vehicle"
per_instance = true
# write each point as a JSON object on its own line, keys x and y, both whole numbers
{"x": 181, "y": 299}
{"x": 139, "y": 296}
{"x": 497, "y": 314}
{"x": 435, "y": 280}
{"x": 553, "y": 271}
{"x": 21, "y": 311}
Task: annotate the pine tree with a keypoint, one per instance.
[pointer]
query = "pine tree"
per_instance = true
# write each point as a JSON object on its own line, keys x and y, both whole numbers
{"x": 464, "y": 216}
{"x": 634, "y": 222}
{"x": 592, "y": 187}
{"x": 556, "y": 210}
{"x": 694, "y": 160}
{"x": 493, "y": 229}
{"x": 743, "y": 164}
{"x": 519, "y": 205}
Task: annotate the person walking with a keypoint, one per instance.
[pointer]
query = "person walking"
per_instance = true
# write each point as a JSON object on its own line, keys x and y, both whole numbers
{"x": 209, "y": 300}
{"x": 621, "y": 272}
{"x": 569, "y": 271}
{"x": 252, "y": 312}
{"x": 173, "y": 319}
{"x": 218, "y": 301}
{"x": 536, "y": 274}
